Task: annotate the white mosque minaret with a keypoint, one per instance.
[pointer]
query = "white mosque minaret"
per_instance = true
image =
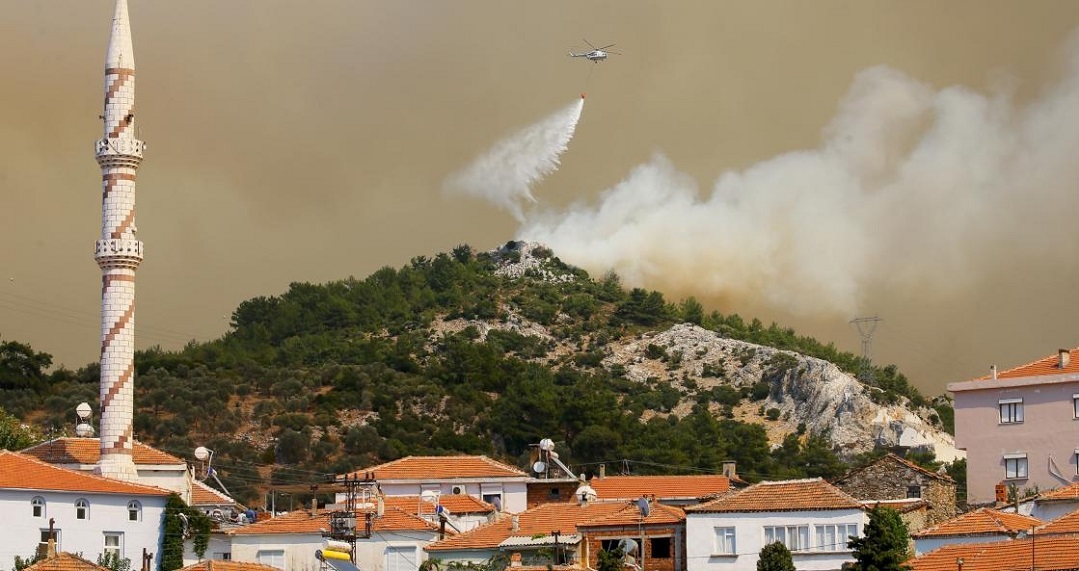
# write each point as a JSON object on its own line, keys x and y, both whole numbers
{"x": 118, "y": 252}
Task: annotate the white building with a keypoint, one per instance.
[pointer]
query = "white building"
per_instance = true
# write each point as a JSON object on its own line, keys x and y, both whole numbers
{"x": 811, "y": 517}
{"x": 289, "y": 542}
{"x": 498, "y": 484}
{"x": 89, "y": 514}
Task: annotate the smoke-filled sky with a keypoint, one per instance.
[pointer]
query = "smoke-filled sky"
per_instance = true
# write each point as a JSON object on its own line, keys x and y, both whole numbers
{"x": 801, "y": 162}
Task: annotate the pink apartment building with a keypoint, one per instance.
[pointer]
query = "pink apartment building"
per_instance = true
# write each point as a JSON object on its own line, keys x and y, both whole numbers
{"x": 1020, "y": 427}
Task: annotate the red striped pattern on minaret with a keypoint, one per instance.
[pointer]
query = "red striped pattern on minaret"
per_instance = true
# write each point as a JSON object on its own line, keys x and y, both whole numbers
{"x": 118, "y": 252}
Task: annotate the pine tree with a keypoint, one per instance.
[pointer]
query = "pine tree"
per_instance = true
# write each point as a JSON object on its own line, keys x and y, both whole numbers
{"x": 775, "y": 557}
{"x": 885, "y": 544}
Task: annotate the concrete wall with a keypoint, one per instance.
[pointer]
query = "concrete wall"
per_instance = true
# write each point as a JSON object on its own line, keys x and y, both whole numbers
{"x": 108, "y": 513}
{"x": 922, "y": 546}
{"x": 1049, "y": 431}
{"x": 749, "y": 538}
{"x": 514, "y": 493}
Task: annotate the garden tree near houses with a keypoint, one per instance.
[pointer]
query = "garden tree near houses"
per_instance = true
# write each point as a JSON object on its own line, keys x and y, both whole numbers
{"x": 885, "y": 543}
{"x": 13, "y": 435}
{"x": 775, "y": 557}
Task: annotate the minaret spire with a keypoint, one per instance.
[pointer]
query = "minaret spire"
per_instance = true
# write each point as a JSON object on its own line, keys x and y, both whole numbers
{"x": 118, "y": 252}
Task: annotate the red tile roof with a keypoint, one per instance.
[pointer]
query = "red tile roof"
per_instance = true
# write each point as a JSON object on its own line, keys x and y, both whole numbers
{"x": 1042, "y": 367}
{"x": 784, "y": 496}
{"x": 1065, "y": 494}
{"x": 896, "y": 459}
{"x": 219, "y": 565}
{"x": 428, "y": 468}
{"x": 538, "y": 521}
{"x": 301, "y": 521}
{"x": 663, "y": 487}
{"x": 22, "y": 472}
{"x": 1052, "y": 553}
{"x": 203, "y": 495}
{"x": 1065, "y": 524}
{"x": 88, "y": 450}
{"x": 65, "y": 562}
{"x": 456, "y": 503}
{"x": 630, "y": 514}
{"x": 983, "y": 521}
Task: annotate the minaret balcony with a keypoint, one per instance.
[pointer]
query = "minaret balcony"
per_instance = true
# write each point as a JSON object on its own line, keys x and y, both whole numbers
{"x": 119, "y": 152}
{"x": 118, "y": 253}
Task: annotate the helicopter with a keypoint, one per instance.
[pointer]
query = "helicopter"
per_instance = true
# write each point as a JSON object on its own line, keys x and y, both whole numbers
{"x": 597, "y": 54}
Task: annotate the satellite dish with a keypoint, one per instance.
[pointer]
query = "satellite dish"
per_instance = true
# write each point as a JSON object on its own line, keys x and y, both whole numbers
{"x": 627, "y": 545}
{"x": 539, "y": 467}
{"x": 546, "y": 444}
{"x": 83, "y": 410}
{"x": 202, "y": 453}
{"x": 83, "y": 430}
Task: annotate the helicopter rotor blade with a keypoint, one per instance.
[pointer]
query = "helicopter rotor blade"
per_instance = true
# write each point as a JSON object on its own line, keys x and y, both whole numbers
{"x": 590, "y": 44}
{"x": 606, "y": 46}
{"x": 615, "y": 53}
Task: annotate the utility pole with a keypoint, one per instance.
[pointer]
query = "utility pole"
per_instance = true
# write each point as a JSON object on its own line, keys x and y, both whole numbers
{"x": 866, "y": 326}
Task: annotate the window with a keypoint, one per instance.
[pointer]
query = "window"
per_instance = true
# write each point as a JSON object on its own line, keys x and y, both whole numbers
{"x": 1015, "y": 466}
{"x": 271, "y": 557}
{"x": 114, "y": 545}
{"x": 834, "y": 537}
{"x": 1011, "y": 411}
{"x": 1075, "y": 406}
{"x": 38, "y": 506}
{"x": 914, "y": 491}
{"x": 400, "y": 558}
{"x": 82, "y": 509}
{"x": 555, "y": 493}
{"x": 795, "y": 537}
{"x": 725, "y": 541}
{"x": 223, "y": 555}
{"x": 43, "y": 545}
{"x": 659, "y": 548}
{"x": 134, "y": 511}
{"x": 492, "y": 494}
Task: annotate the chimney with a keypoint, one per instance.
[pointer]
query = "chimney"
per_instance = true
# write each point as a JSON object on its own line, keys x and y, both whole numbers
{"x": 50, "y": 551}
{"x": 602, "y": 471}
{"x": 380, "y": 510}
{"x": 515, "y": 523}
{"x": 729, "y": 469}
{"x": 515, "y": 559}
{"x": 1064, "y": 357}
{"x": 314, "y": 507}
{"x": 993, "y": 372}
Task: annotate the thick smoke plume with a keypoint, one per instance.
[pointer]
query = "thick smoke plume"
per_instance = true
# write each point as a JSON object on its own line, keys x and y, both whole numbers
{"x": 911, "y": 189}
{"x": 505, "y": 174}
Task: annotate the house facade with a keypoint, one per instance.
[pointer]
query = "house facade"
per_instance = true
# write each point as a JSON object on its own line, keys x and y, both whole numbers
{"x": 1020, "y": 427}
{"x": 490, "y": 481}
{"x": 289, "y": 542}
{"x": 86, "y": 514}
{"x": 813, "y": 518}
{"x": 983, "y": 525}
{"x": 894, "y": 479}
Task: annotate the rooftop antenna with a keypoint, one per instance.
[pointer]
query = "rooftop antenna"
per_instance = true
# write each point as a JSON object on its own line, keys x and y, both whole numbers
{"x": 866, "y": 326}
{"x": 83, "y": 429}
{"x": 206, "y": 455}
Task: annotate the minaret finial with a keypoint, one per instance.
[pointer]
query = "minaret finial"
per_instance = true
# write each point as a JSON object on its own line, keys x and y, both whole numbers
{"x": 120, "y": 53}
{"x": 118, "y": 252}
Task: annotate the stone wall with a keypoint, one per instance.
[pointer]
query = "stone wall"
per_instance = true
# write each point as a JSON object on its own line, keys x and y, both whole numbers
{"x": 890, "y": 478}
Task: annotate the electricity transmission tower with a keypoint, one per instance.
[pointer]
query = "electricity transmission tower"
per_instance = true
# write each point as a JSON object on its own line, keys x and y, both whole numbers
{"x": 866, "y": 326}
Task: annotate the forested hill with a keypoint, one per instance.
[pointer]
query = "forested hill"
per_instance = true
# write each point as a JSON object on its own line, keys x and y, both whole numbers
{"x": 483, "y": 353}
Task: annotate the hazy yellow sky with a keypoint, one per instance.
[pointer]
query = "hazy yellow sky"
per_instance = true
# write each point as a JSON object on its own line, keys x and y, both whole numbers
{"x": 307, "y": 141}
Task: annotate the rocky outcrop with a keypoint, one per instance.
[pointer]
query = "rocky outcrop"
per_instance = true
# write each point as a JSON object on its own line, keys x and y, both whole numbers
{"x": 806, "y": 391}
